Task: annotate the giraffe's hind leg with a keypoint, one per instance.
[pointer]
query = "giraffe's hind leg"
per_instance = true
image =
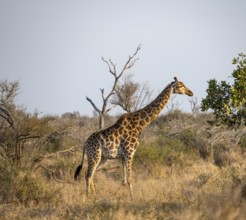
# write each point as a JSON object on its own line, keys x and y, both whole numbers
{"x": 103, "y": 161}
{"x": 93, "y": 162}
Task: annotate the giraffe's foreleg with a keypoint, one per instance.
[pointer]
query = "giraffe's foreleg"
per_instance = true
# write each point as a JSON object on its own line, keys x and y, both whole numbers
{"x": 127, "y": 180}
{"x": 124, "y": 182}
{"x": 129, "y": 174}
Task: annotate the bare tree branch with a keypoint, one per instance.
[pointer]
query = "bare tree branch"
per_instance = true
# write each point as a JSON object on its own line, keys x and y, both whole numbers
{"x": 130, "y": 62}
{"x": 47, "y": 156}
{"x": 5, "y": 114}
{"x": 93, "y": 104}
{"x": 25, "y": 137}
{"x": 8, "y": 91}
{"x": 193, "y": 104}
{"x": 112, "y": 69}
{"x": 143, "y": 97}
{"x": 172, "y": 106}
{"x": 111, "y": 66}
{"x": 53, "y": 174}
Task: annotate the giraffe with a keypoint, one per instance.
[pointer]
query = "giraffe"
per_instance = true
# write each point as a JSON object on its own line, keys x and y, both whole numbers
{"x": 121, "y": 140}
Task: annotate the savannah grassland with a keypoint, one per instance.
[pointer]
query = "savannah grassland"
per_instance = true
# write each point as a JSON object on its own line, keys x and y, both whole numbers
{"x": 183, "y": 169}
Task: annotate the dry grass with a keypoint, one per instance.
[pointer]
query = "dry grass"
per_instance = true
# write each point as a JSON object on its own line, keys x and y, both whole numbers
{"x": 188, "y": 187}
{"x": 200, "y": 191}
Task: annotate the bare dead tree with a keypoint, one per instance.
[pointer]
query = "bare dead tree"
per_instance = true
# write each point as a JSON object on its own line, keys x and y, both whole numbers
{"x": 173, "y": 106}
{"x": 117, "y": 75}
{"x": 194, "y": 105}
{"x": 131, "y": 96}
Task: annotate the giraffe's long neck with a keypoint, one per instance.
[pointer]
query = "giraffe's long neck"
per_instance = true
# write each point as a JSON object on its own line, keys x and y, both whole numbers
{"x": 146, "y": 115}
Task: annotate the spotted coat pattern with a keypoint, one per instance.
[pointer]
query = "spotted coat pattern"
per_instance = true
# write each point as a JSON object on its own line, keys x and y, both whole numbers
{"x": 120, "y": 141}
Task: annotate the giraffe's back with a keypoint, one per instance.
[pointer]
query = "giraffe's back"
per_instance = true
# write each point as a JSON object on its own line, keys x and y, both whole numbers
{"x": 107, "y": 141}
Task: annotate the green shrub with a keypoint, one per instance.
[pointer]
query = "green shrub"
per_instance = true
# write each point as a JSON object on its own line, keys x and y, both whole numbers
{"x": 194, "y": 141}
{"x": 32, "y": 190}
{"x": 24, "y": 187}
{"x": 221, "y": 154}
{"x": 54, "y": 142}
{"x": 7, "y": 182}
{"x": 242, "y": 143}
{"x": 190, "y": 138}
{"x": 58, "y": 168}
{"x": 160, "y": 150}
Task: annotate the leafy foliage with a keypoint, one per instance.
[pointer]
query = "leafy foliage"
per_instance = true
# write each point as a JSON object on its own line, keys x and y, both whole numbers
{"x": 228, "y": 102}
{"x": 18, "y": 129}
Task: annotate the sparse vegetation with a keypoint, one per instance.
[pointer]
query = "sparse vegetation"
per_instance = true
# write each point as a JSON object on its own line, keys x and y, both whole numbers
{"x": 172, "y": 180}
{"x": 184, "y": 168}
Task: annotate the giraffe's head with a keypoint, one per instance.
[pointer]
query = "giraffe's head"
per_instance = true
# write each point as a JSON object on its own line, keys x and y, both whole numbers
{"x": 180, "y": 88}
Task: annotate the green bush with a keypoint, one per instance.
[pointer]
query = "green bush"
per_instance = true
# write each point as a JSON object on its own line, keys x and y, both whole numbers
{"x": 160, "y": 150}
{"x": 242, "y": 143}
{"x": 32, "y": 190}
{"x": 221, "y": 154}
{"x": 7, "y": 182}
{"x": 24, "y": 187}
{"x": 54, "y": 142}
{"x": 194, "y": 141}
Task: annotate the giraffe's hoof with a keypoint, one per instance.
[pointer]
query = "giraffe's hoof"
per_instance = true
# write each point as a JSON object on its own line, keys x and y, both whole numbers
{"x": 124, "y": 183}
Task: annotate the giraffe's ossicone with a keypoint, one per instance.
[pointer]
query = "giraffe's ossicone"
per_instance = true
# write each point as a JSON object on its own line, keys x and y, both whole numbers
{"x": 120, "y": 141}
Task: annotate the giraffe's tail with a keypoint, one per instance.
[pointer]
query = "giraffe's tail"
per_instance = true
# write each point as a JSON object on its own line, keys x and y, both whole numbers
{"x": 79, "y": 168}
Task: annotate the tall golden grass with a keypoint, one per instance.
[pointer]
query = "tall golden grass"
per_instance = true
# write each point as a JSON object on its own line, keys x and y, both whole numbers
{"x": 181, "y": 186}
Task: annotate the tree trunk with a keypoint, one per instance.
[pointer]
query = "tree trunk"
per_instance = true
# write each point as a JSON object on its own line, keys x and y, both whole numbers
{"x": 101, "y": 121}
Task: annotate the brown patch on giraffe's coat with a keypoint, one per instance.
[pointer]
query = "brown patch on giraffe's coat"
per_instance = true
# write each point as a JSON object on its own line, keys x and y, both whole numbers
{"x": 135, "y": 118}
{"x": 116, "y": 133}
{"x": 124, "y": 123}
{"x": 125, "y": 136}
{"x": 143, "y": 115}
{"x": 111, "y": 146}
{"x": 128, "y": 127}
{"x": 142, "y": 123}
{"x": 137, "y": 129}
{"x": 121, "y": 130}
{"x": 111, "y": 138}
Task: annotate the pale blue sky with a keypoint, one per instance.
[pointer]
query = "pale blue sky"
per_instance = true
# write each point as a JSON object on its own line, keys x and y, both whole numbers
{"x": 54, "y": 47}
